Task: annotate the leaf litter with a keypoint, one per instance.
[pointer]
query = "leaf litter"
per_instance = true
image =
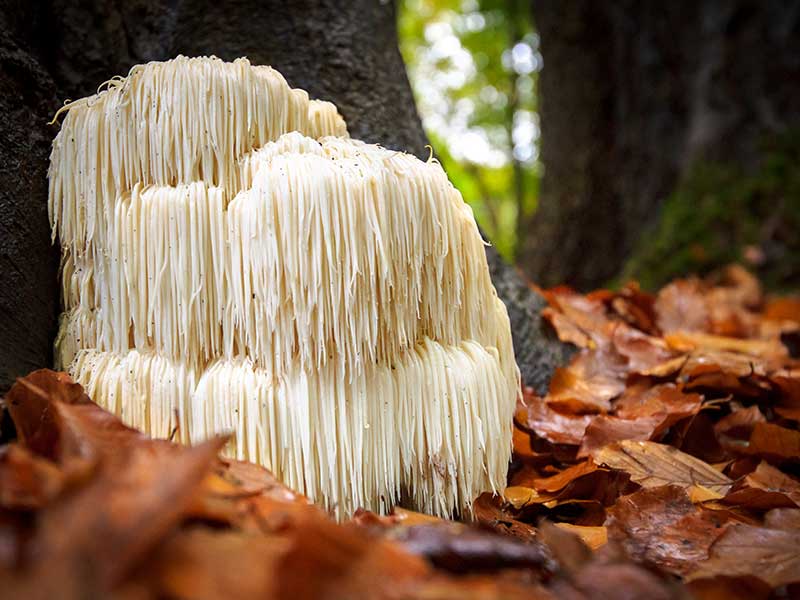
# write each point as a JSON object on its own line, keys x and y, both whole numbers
{"x": 664, "y": 462}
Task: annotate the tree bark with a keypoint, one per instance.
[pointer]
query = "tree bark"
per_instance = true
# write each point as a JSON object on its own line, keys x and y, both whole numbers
{"x": 345, "y": 52}
{"x": 633, "y": 94}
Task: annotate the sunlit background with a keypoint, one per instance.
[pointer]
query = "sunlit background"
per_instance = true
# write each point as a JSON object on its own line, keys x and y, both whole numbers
{"x": 473, "y": 67}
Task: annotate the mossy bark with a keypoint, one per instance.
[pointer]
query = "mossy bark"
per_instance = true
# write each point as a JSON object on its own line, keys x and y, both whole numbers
{"x": 721, "y": 213}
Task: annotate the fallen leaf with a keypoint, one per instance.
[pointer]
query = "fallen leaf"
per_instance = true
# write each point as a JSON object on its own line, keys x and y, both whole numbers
{"x": 782, "y": 518}
{"x": 602, "y": 581}
{"x": 699, "y": 494}
{"x": 560, "y": 480}
{"x": 682, "y": 305}
{"x": 643, "y": 351}
{"x": 772, "y": 555}
{"x": 792, "y": 414}
{"x": 568, "y": 549}
{"x": 651, "y": 465}
{"x": 774, "y": 442}
{"x": 583, "y": 313}
{"x": 566, "y": 329}
{"x": 410, "y": 518}
{"x": 589, "y": 383}
{"x": 205, "y": 564}
{"x": 520, "y": 497}
{"x": 119, "y": 516}
{"x": 668, "y": 368}
{"x": 666, "y": 399}
{"x": 695, "y": 436}
{"x": 552, "y": 425}
{"x": 27, "y": 481}
{"x": 721, "y": 587}
{"x": 594, "y": 537}
{"x": 739, "y": 423}
{"x": 636, "y": 307}
{"x": 785, "y": 308}
{"x": 29, "y": 404}
{"x": 765, "y": 488}
{"x": 685, "y": 341}
{"x": 488, "y": 512}
{"x": 661, "y": 526}
{"x": 458, "y": 548}
{"x": 604, "y": 430}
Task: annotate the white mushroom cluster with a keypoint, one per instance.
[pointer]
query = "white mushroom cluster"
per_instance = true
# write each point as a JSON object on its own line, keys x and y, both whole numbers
{"x": 233, "y": 262}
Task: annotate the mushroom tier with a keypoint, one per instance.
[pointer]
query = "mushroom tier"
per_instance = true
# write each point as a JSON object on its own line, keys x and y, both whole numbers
{"x": 430, "y": 428}
{"x": 180, "y": 121}
{"x": 338, "y": 251}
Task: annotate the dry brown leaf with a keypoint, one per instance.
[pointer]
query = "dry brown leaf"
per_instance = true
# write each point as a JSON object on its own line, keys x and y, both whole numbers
{"x": 594, "y": 537}
{"x": 765, "y": 488}
{"x": 772, "y": 555}
{"x": 27, "y": 481}
{"x": 550, "y": 424}
{"x": 652, "y": 465}
{"x": 520, "y": 497}
{"x": 782, "y": 518}
{"x": 666, "y": 399}
{"x": 566, "y": 329}
{"x": 699, "y": 494}
{"x": 661, "y": 526}
{"x": 722, "y": 587}
{"x": 636, "y": 307}
{"x": 785, "y": 308}
{"x": 589, "y": 383}
{"x": 604, "y": 430}
{"x": 488, "y": 511}
{"x": 740, "y": 422}
{"x": 459, "y": 548}
{"x": 682, "y": 305}
{"x": 668, "y": 368}
{"x": 685, "y": 341}
{"x": 644, "y": 352}
{"x": 791, "y": 414}
{"x": 584, "y": 313}
{"x": 774, "y": 442}
{"x": 560, "y": 480}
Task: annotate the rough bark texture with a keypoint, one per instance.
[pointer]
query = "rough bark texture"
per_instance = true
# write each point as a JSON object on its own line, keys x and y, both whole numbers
{"x": 632, "y": 94}
{"x": 28, "y": 262}
{"x": 345, "y": 52}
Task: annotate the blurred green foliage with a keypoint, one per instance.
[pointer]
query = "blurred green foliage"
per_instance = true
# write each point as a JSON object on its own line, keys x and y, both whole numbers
{"x": 473, "y": 66}
{"x": 721, "y": 213}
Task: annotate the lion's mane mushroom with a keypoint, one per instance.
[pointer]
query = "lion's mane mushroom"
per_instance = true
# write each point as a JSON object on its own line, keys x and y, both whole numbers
{"x": 231, "y": 257}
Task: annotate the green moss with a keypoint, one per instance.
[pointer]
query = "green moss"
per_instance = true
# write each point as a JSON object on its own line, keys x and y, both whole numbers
{"x": 721, "y": 213}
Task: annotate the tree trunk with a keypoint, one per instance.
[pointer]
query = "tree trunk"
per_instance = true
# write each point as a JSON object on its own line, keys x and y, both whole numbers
{"x": 345, "y": 52}
{"x": 632, "y": 95}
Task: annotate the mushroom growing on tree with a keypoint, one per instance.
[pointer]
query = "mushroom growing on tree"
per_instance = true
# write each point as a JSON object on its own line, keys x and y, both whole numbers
{"x": 233, "y": 260}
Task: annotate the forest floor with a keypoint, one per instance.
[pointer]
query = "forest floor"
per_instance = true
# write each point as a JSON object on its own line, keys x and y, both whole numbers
{"x": 663, "y": 463}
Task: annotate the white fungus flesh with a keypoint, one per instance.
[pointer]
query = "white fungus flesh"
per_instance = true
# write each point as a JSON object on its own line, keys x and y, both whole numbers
{"x": 233, "y": 262}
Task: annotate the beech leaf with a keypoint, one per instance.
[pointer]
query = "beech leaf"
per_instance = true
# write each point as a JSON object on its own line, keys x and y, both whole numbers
{"x": 652, "y": 465}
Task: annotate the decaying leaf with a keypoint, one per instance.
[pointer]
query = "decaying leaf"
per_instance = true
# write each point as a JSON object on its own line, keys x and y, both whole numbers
{"x": 589, "y": 383}
{"x": 594, "y": 537}
{"x": 765, "y": 488}
{"x": 661, "y": 526}
{"x": 652, "y": 465}
{"x": 774, "y": 442}
{"x": 551, "y": 424}
{"x": 772, "y": 555}
{"x": 653, "y": 459}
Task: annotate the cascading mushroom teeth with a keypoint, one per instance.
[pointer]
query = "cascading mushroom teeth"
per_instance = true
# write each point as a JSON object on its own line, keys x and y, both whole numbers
{"x": 233, "y": 260}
